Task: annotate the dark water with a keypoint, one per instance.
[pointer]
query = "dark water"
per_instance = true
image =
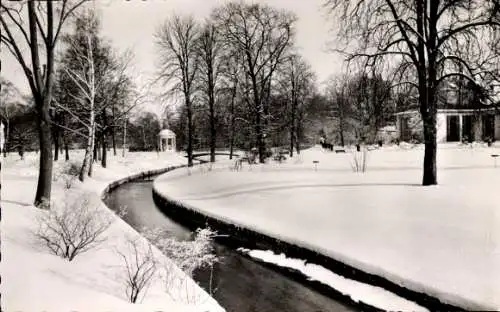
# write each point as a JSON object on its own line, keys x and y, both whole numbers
{"x": 241, "y": 284}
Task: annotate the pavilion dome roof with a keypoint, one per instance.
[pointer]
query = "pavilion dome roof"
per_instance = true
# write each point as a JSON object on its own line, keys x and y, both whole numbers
{"x": 166, "y": 133}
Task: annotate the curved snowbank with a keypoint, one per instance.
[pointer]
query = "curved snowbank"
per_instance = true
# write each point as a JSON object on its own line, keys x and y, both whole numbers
{"x": 442, "y": 240}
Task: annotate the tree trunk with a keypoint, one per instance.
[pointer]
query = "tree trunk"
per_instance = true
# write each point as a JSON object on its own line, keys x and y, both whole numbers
{"x": 98, "y": 148}
{"x": 6, "y": 143}
{"x": 66, "y": 149}
{"x": 231, "y": 130}
{"x": 263, "y": 125}
{"x": 297, "y": 140}
{"x": 89, "y": 149}
{"x": 428, "y": 87}
{"x": 94, "y": 151}
{"x": 430, "y": 172}
{"x": 94, "y": 155}
{"x": 124, "y": 143}
{"x": 298, "y": 131}
{"x": 342, "y": 142}
{"x": 190, "y": 132}
{"x": 104, "y": 150}
{"x": 44, "y": 185}
{"x": 231, "y": 135}
{"x": 292, "y": 123}
{"x": 231, "y": 142}
{"x": 212, "y": 131}
{"x": 341, "y": 124}
{"x": 56, "y": 143}
{"x": 113, "y": 140}
{"x": 260, "y": 139}
{"x": 104, "y": 139}
{"x": 144, "y": 143}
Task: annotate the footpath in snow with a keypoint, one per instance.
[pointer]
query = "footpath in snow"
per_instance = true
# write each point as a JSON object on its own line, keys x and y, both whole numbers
{"x": 35, "y": 280}
{"x": 441, "y": 240}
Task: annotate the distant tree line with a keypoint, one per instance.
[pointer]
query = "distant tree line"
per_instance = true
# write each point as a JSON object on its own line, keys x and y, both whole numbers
{"x": 239, "y": 75}
{"x": 239, "y": 78}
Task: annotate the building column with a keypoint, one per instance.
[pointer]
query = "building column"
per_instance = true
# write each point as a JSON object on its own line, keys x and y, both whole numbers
{"x": 478, "y": 128}
{"x": 497, "y": 127}
{"x": 398, "y": 127}
{"x": 460, "y": 127}
{"x": 442, "y": 126}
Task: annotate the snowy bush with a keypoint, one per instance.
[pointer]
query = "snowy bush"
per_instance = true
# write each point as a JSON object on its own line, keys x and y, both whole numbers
{"x": 186, "y": 255}
{"x": 73, "y": 227}
{"x": 139, "y": 267}
{"x": 72, "y": 168}
{"x": 359, "y": 160}
{"x": 68, "y": 181}
{"x": 67, "y": 172}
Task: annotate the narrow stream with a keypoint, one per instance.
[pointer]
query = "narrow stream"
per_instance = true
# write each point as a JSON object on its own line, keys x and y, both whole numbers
{"x": 242, "y": 284}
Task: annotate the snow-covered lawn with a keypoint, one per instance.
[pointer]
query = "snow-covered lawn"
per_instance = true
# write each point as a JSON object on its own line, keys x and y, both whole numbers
{"x": 35, "y": 280}
{"x": 443, "y": 240}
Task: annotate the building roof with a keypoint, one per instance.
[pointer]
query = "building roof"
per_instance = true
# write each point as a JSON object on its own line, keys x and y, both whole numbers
{"x": 450, "y": 97}
{"x": 166, "y": 133}
{"x": 450, "y": 105}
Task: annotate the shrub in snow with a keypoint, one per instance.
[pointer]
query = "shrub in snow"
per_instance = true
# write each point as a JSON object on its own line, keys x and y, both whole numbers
{"x": 139, "y": 267}
{"x": 187, "y": 255}
{"x": 68, "y": 171}
{"x": 237, "y": 165}
{"x": 73, "y": 227}
{"x": 68, "y": 181}
{"x": 359, "y": 160}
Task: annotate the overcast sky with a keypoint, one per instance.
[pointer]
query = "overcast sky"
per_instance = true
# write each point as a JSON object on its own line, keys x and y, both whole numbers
{"x": 131, "y": 25}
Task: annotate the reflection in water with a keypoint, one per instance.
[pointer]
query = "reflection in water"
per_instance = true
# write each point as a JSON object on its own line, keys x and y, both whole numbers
{"x": 241, "y": 284}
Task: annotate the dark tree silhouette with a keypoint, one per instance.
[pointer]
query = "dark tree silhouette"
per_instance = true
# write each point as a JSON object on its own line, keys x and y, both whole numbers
{"x": 44, "y": 22}
{"x": 177, "y": 44}
{"x": 428, "y": 41}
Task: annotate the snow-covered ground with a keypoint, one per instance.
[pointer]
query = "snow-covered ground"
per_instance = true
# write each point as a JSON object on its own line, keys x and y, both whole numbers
{"x": 443, "y": 240}
{"x": 35, "y": 280}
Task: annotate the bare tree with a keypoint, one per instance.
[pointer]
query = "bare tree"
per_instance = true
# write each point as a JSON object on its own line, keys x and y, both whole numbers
{"x": 140, "y": 266}
{"x": 427, "y": 42}
{"x": 79, "y": 67}
{"x": 177, "y": 44}
{"x": 18, "y": 39}
{"x": 232, "y": 74}
{"x": 9, "y": 97}
{"x": 116, "y": 99}
{"x": 338, "y": 99}
{"x": 370, "y": 103}
{"x": 75, "y": 227}
{"x": 94, "y": 90}
{"x": 262, "y": 35}
{"x": 297, "y": 83}
{"x": 209, "y": 55}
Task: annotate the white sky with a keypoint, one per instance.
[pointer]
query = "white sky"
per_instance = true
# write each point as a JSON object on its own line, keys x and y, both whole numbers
{"x": 131, "y": 25}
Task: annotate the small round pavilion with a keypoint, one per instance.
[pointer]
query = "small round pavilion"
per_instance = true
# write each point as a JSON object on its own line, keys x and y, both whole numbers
{"x": 166, "y": 140}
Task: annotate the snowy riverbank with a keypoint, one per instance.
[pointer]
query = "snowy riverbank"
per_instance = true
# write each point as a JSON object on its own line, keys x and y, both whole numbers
{"x": 442, "y": 240}
{"x": 35, "y": 280}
